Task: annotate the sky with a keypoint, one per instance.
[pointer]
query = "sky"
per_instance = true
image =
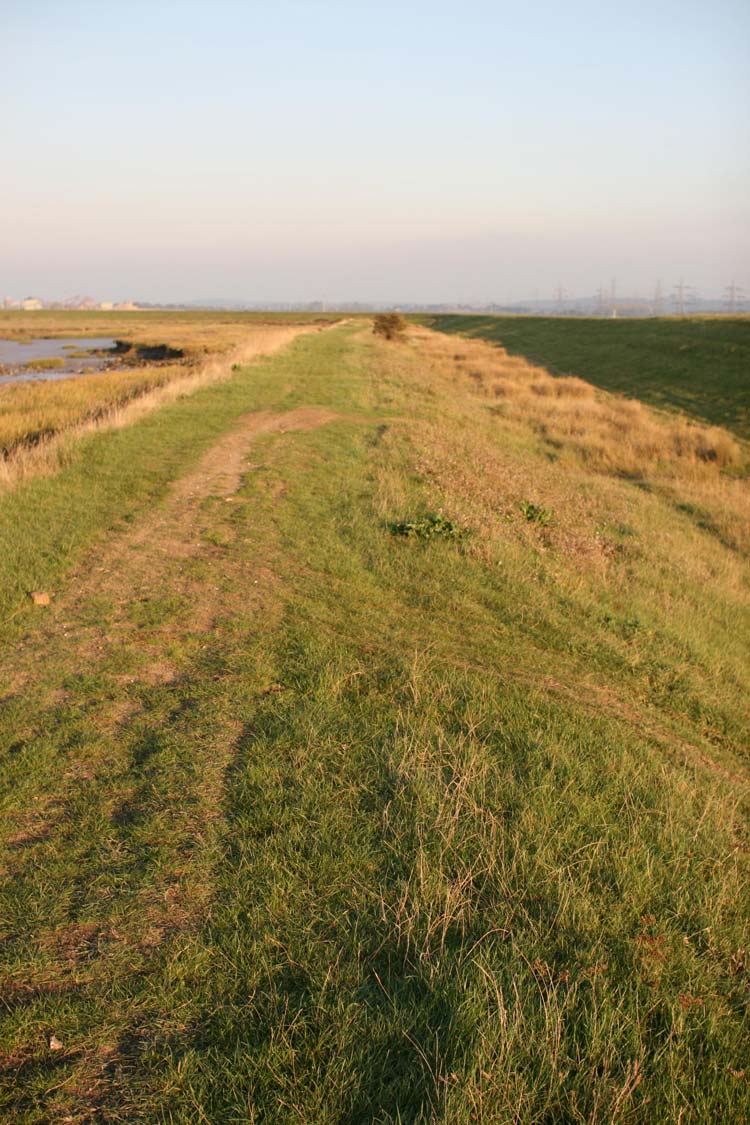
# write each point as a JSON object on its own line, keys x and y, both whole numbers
{"x": 301, "y": 150}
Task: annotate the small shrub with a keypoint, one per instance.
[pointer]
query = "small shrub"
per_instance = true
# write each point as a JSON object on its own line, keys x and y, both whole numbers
{"x": 430, "y": 526}
{"x": 535, "y": 513}
{"x": 389, "y": 325}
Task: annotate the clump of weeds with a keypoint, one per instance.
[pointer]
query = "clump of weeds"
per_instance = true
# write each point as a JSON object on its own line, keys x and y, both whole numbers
{"x": 432, "y": 525}
{"x": 535, "y": 513}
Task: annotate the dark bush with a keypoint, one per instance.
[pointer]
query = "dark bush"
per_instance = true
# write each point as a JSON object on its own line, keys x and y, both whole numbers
{"x": 389, "y": 325}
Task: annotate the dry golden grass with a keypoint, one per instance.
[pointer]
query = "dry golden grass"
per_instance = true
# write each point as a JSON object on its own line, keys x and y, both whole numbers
{"x": 30, "y": 412}
{"x": 703, "y": 469}
{"x": 610, "y": 432}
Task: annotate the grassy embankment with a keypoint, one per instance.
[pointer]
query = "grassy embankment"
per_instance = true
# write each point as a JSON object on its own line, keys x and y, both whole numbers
{"x": 697, "y": 365}
{"x": 34, "y": 412}
{"x": 306, "y": 821}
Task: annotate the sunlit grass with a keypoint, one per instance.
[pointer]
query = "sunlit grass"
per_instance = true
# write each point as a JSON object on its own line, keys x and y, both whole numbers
{"x": 417, "y": 828}
{"x": 703, "y": 469}
{"x": 697, "y": 365}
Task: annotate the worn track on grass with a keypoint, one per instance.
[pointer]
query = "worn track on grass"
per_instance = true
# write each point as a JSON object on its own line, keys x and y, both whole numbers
{"x": 133, "y": 564}
{"x": 142, "y": 687}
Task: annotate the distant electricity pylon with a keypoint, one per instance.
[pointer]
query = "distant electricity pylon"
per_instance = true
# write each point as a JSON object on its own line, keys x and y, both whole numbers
{"x": 613, "y": 298}
{"x": 734, "y": 296}
{"x": 601, "y": 300}
{"x": 681, "y": 292}
{"x": 560, "y": 296}
{"x": 658, "y": 299}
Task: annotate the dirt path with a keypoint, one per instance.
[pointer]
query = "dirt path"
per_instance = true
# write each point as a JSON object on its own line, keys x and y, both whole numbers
{"x": 220, "y": 471}
{"x": 121, "y": 661}
{"x": 133, "y": 566}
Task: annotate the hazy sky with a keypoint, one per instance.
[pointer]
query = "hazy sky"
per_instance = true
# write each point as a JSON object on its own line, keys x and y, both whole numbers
{"x": 386, "y": 151}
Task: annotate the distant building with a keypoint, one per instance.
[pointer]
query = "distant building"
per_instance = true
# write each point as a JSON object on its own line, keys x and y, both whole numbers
{"x": 106, "y": 305}
{"x": 10, "y": 303}
{"x": 31, "y": 303}
{"x": 126, "y": 306}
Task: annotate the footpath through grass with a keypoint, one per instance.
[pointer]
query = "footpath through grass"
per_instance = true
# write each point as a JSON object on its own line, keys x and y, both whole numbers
{"x": 307, "y": 821}
{"x": 699, "y": 366}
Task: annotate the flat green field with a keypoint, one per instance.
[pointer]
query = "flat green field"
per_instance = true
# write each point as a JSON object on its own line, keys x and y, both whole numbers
{"x": 699, "y": 366}
{"x": 372, "y": 764}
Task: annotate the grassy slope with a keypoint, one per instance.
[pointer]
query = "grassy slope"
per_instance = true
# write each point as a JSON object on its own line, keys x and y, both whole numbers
{"x": 700, "y": 366}
{"x": 483, "y": 855}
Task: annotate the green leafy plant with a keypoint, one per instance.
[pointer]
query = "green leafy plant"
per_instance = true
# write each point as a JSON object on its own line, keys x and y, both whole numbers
{"x": 535, "y": 513}
{"x": 429, "y": 526}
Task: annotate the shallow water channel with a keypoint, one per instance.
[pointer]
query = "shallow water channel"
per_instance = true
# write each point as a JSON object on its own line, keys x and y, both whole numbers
{"x": 77, "y": 356}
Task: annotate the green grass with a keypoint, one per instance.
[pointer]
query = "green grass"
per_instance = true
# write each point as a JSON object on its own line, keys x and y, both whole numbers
{"x": 699, "y": 366}
{"x": 416, "y": 830}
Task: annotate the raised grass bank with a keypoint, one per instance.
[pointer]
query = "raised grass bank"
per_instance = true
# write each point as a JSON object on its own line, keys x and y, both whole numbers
{"x": 378, "y": 751}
